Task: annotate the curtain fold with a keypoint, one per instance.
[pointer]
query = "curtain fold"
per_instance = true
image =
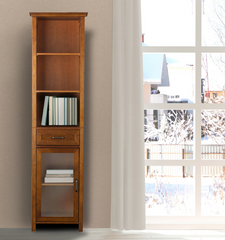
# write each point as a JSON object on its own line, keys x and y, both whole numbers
{"x": 127, "y": 174}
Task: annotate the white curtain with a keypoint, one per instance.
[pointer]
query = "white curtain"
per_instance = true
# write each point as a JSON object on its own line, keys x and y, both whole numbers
{"x": 127, "y": 174}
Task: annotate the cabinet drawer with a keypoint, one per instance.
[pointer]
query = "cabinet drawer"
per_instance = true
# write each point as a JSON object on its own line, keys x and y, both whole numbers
{"x": 58, "y": 137}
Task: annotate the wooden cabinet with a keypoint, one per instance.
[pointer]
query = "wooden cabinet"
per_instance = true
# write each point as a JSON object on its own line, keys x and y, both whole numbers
{"x": 57, "y": 71}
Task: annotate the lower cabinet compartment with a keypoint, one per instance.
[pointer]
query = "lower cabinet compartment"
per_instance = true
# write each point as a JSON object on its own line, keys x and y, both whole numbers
{"x": 57, "y": 184}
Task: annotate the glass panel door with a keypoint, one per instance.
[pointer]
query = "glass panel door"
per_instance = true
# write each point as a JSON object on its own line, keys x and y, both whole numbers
{"x": 57, "y": 183}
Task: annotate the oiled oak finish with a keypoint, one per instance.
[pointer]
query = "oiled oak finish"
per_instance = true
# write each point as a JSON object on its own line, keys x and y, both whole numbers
{"x": 58, "y": 42}
{"x": 58, "y": 137}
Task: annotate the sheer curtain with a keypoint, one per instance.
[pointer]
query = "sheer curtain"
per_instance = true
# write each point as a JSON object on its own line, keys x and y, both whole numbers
{"x": 127, "y": 174}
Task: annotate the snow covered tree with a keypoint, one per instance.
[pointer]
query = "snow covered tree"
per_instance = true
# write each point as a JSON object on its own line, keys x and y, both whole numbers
{"x": 213, "y": 125}
{"x": 151, "y": 132}
{"x": 214, "y": 22}
{"x": 214, "y": 35}
{"x": 176, "y": 128}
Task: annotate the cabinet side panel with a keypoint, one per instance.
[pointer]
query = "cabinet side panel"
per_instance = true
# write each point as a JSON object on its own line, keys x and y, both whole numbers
{"x": 34, "y": 70}
{"x": 34, "y": 119}
{"x": 34, "y": 179}
{"x": 82, "y": 45}
{"x": 81, "y": 180}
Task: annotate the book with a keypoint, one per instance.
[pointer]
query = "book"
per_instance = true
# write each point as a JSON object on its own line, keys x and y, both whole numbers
{"x": 50, "y": 118}
{"x": 59, "y": 171}
{"x": 75, "y": 112}
{"x": 58, "y": 180}
{"x": 61, "y": 110}
{"x": 56, "y": 111}
{"x": 65, "y": 111}
{"x": 59, "y": 175}
{"x": 72, "y": 111}
{"x": 45, "y": 111}
{"x": 53, "y": 111}
{"x": 68, "y": 111}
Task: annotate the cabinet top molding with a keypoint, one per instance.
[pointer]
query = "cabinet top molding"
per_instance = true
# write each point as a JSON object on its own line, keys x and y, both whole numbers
{"x": 58, "y": 14}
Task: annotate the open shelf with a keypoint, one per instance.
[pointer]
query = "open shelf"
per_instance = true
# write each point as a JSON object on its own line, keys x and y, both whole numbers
{"x": 40, "y": 105}
{"x": 58, "y": 73}
{"x": 58, "y": 36}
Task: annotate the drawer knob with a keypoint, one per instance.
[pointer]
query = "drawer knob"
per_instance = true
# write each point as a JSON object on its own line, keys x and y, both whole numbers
{"x": 58, "y": 137}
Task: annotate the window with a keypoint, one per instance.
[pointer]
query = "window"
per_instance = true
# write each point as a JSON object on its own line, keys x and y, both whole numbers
{"x": 183, "y": 60}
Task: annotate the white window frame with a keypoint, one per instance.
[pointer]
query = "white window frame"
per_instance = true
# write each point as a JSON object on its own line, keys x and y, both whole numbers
{"x": 197, "y": 221}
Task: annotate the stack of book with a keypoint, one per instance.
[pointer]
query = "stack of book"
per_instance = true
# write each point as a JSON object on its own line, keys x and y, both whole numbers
{"x": 59, "y": 111}
{"x": 59, "y": 176}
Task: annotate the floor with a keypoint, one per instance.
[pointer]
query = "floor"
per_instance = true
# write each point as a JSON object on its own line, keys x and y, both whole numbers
{"x": 69, "y": 233}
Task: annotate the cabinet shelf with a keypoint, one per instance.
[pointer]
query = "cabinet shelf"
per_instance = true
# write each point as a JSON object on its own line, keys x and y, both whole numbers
{"x": 58, "y": 54}
{"x": 57, "y": 184}
{"x": 57, "y": 91}
{"x": 65, "y": 127}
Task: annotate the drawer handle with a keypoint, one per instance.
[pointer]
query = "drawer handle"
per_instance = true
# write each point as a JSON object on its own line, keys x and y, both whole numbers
{"x": 76, "y": 185}
{"x": 58, "y": 137}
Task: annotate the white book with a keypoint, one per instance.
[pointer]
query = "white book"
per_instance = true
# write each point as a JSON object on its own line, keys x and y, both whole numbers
{"x": 45, "y": 112}
{"x": 70, "y": 111}
{"x": 73, "y": 105}
{"x": 61, "y": 110}
{"x": 50, "y": 117}
{"x": 58, "y": 175}
{"x": 56, "y": 111}
{"x": 59, "y": 171}
{"x": 65, "y": 111}
{"x": 58, "y": 180}
{"x": 75, "y": 112}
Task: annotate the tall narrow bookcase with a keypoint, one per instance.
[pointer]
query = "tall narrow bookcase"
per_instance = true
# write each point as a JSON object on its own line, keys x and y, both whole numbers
{"x": 57, "y": 150}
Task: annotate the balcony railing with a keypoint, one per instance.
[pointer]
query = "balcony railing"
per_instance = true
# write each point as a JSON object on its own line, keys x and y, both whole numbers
{"x": 183, "y": 152}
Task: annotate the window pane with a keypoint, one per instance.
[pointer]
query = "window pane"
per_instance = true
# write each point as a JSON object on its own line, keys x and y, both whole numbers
{"x": 168, "y": 22}
{"x": 213, "y": 18}
{"x": 169, "y": 78}
{"x": 213, "y": 190}
{"x": 213, "y": 134}
{"x": 169, "y": 134}
{"x": 169, "y": 190}
{"x": 213, "y": 78}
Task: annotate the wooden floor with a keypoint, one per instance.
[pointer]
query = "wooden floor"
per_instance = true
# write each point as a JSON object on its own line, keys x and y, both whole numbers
{"x": 70, "y": 233}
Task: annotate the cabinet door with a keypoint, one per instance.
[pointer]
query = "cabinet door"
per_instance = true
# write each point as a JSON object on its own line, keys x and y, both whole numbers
{"x": 57, "y": 192}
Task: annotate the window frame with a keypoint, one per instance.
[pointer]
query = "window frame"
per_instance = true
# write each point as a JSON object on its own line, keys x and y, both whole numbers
{"x": 197, "y": 221}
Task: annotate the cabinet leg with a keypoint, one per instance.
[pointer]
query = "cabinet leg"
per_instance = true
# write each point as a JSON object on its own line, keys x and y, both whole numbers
{"x": 81, "y": 227}
{"x": 33, "y": 227}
